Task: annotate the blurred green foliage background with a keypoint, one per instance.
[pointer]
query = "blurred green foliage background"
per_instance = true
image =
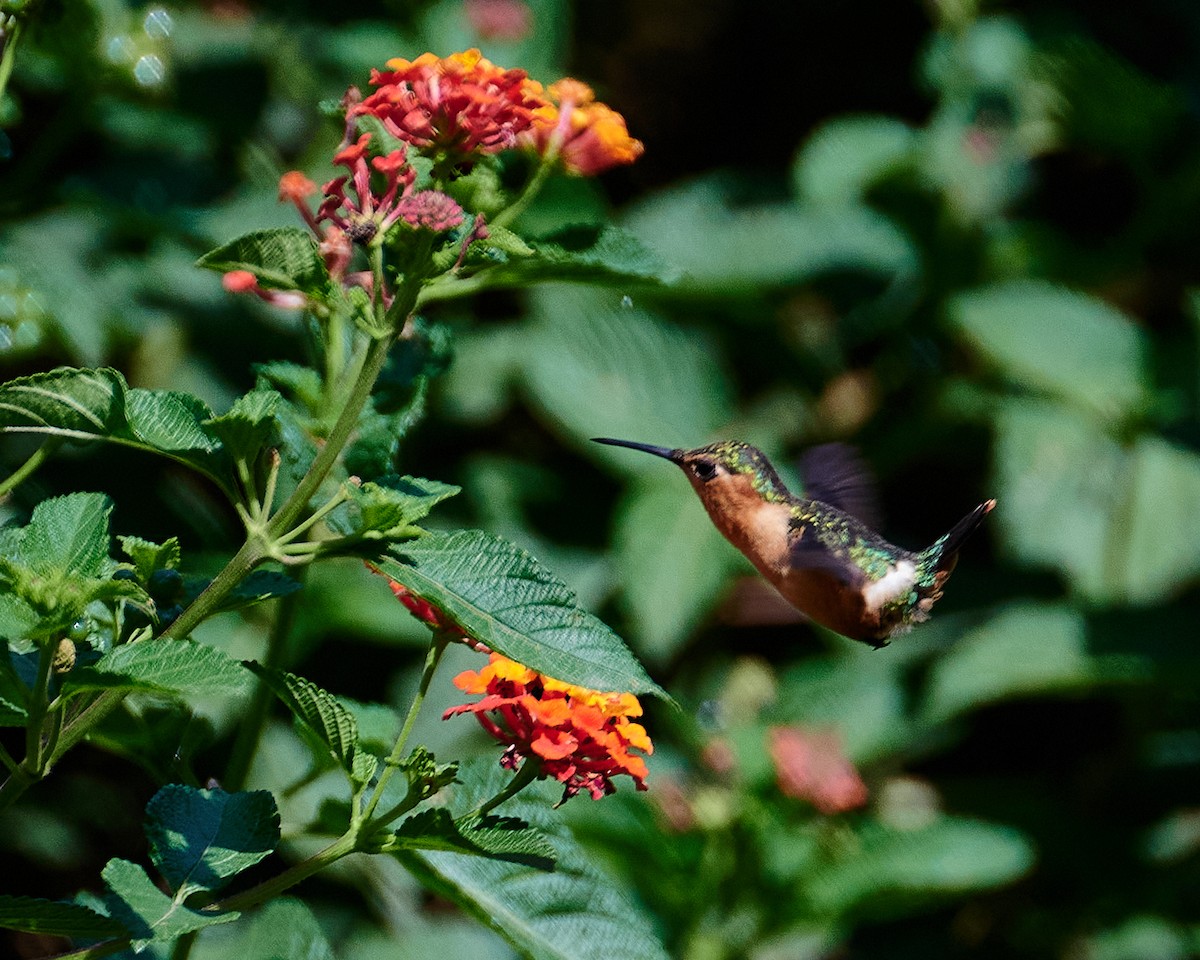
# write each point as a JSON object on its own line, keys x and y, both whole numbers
{"x": 966, "y": 240}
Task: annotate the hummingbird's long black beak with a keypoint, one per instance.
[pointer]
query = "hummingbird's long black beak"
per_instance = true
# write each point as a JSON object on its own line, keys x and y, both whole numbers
{"x": 665, "y": 452}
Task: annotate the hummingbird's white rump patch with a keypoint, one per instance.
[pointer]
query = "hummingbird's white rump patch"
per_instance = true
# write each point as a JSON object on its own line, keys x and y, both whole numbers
{"x": 896, "y": 583}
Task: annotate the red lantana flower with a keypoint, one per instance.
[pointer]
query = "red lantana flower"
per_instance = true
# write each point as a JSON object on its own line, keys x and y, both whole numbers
{"x": 580, "y": 737}
{"x": 589, "y": 137}
{"x": 364, "y": 214}
{"x": 460, "y": 104}
{"x": 810, "y": 765}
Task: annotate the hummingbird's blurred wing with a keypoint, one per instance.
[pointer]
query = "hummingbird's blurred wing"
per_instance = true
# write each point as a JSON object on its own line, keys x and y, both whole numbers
{"x": 835, "y": 474}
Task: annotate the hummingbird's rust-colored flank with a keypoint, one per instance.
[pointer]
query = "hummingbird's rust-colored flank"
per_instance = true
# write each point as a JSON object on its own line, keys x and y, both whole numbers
{"x": 824, "y": 560}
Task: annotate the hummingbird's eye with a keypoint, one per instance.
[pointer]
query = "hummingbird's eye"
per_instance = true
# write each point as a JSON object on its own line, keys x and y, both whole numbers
{"x": 705, "y": 469}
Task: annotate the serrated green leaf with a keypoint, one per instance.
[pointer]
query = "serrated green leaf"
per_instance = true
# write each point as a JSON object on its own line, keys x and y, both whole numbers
{"x": 68, "y": 536}
{"x": 317, "y": 709}
{"x": 148, "y": 557}
{"x": 947, "y": 857}
{"x": 201, "y": 839}
{"x": 846, "y": 156}
{"x": 285, "y": 258}
{"x": 163, "y": 666}
{"x": 66, "y": 402}
{"x": 598, "y": 365}
{"x": 17, "y": 618}
{"x": 56, "y": 919}
{"x": 169, "y": 421}
{"x": 255, "y": 588}
{"x": 767, "y": 246}
{"x": 148, "y": 913}
{"x": 544, "y": 915}
{"x": 602, "y": 255}
{"x": 500, "y": 595}
{"x": 425, "y": 776}
{"x": 673, "y": 562}
{"x": 250, "y": 424}
{"x": 83, "y": 405}
{"x": 1057, "y": 340}
{"x": 390, "y": 507}
{"x": 299, "y": 383}
{"x": 500, "y": 838}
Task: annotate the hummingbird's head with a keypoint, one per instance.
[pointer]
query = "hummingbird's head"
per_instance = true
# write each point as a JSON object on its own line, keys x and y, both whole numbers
{"x": 711, "y": 468}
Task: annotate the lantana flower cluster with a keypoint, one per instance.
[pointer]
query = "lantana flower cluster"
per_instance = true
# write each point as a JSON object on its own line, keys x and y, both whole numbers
{"x": 580, "y": 737}
{"x": 455, "y": 110}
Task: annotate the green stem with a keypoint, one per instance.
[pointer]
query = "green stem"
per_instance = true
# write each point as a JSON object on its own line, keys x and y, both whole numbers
{"x": 437, "y": 647}
{"x": 290, "y": 512}
{"x": 9, "y": 56}
{"x": 240, "y": 564}
{"x": 315, "y": 517}
{"x": 529, "y": 771}
{"x": 269, "y": 889}
{"x": 532, "y": 188}
{"x": 251, "y": 728}
{"x": 38, "y": 704}
{"x": 7, "y": 759}
{"x": 36, "y": 459}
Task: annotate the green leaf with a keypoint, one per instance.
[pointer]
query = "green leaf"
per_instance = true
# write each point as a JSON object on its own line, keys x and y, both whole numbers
{"x": 764, "y": 247}
{"x": 250, "y": 424}
{"x": 168, "y": 421}
{"x": 544, "y": 915}
{"x": 1059, "y": 341}
{"x": 390, "y": 507}
{"x": 68, "y": 536}
{"x": 1117, "y": 519}
{"x": 500, "y": 595}
{"x": 580, "y": 254}
{"x": 599, "y": 366}
{"x": 65, "y": 402}
{"x": 56, "y": 919}
{"x": 82, "y": 405}
{"x": 317, "y": 709}
{"x": 299, "y": 383}
{"x": 285, "y": 258}
{"x": 282, "y": 929}
{"x": 673, "y": 562}
{"x": 149, "y": 557}
{"x": 948, "y": 857}
{"x": 200, "y": 839}
{"x": 163, "y": 666}
{"x": 424, "y": 775}
{"x": 259, "y": 586}
{"x": 846, "y": 156}
{"x": 501, "y": 838}
{"x": 1027, "y": 649}
{"x": 148, "y": 913}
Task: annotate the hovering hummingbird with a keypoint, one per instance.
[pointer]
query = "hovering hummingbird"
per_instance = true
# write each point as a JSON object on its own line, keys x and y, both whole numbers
{"x": 819, "y": 551}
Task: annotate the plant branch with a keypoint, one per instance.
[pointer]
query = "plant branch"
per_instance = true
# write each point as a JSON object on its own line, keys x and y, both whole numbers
{"x": 25, "y": 470}
{"x": 437, "y": 646}
{"x": 528, "y": 772}
{"x": 268, "y": 889}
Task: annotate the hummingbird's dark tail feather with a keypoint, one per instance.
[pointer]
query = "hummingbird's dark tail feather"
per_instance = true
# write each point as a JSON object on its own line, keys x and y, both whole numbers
{"x": 941, "y": 557}
{"x": 936, "y": 563}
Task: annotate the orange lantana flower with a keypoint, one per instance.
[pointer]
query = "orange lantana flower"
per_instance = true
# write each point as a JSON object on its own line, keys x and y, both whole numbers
{"x": 588, "y": 136}
{"x": 580, "y": 737}
{"x": 460, "y": 104}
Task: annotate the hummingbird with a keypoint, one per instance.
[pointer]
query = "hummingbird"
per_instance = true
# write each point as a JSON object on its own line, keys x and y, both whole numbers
{"x": 819, "y": 551}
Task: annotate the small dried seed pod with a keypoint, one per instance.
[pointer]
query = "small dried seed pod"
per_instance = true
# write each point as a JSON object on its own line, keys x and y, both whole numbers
{"x": 64, "y": 656}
